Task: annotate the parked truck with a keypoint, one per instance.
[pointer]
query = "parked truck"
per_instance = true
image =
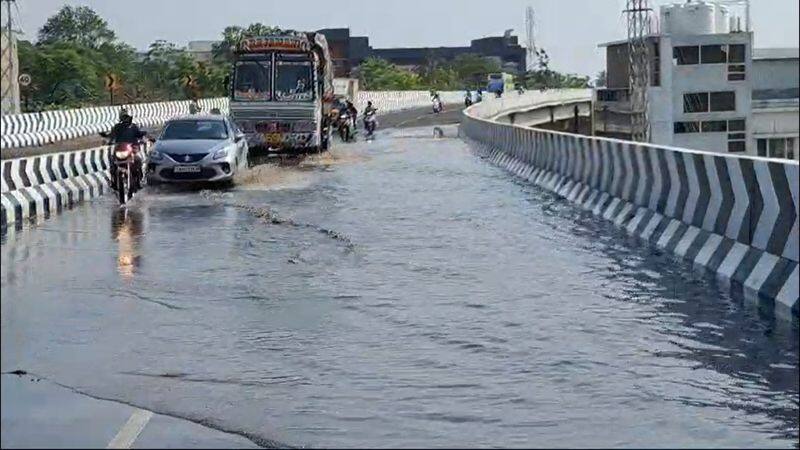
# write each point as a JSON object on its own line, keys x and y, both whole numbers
{"x": 281, "y": 91}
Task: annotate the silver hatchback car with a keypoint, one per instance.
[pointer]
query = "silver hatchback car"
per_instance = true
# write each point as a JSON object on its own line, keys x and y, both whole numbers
{"x": 197, "y": 148}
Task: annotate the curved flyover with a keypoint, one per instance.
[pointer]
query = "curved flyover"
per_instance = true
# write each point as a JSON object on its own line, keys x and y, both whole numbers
{"x": 735, "y": 215}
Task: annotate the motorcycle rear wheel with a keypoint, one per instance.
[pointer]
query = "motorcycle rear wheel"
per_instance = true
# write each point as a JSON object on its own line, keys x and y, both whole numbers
{"x": 121, "y": 187}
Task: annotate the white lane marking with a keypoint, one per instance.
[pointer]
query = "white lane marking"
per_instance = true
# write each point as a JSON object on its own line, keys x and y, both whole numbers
{"x": 131, "y": 430}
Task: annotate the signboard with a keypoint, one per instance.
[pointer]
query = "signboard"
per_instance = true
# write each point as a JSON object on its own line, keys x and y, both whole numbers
{"x": 24, "y": 80}
{"x": 112, "y": 82}
{"x": 269, "y": 43}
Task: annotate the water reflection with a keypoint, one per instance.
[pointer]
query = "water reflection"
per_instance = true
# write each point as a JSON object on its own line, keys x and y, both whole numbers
{"x": 127, "y": 229}
{"x": 724, "y": 334}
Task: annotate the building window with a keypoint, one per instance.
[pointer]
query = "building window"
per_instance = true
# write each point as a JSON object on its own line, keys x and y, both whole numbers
{"x": 695, "y": 102}
{"x": 686, "y": 55}
{"x": 655, "y": 72}
{"x": 776, "y": 147}
{"x": 713, "y": 54}
{"x": 736, "y": 136}
{"x": 714, "y": 126}
{"x": 736, "y": 72}
{"x": 723, "y": 101}
{"x": 709, "y": 54}
{"x": 761, "y": 146}
{"x": 736, "y": 146}
{"x": 686, "y": 127}
{"x": 736, "y": 125}
{"x": 736, "y": 53}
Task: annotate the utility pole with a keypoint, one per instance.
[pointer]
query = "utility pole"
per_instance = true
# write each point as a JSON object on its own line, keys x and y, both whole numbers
{"x": 638, "y": 12}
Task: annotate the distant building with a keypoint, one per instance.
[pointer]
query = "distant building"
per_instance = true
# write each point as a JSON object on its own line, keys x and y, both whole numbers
{"x": 9, "y": 69}
{"x": 349, "y": 51}
{"x": 709, "y": 89}
{"x": 201, "y": 51}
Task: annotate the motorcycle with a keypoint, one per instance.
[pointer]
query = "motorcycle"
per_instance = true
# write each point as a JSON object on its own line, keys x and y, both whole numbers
{"x": 345, "y": 132}
{"x": 129, "y": 170}
{"x": 437, "y": 106}
{"x": 370, "y": 123}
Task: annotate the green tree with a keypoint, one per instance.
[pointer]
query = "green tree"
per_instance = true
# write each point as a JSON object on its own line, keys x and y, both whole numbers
{"x": 223, "y": 50}
{"x": 63, "y": 75}
{"x": 600, "y": 79}
{"x": 380, "y": 75}
{"x": 542, "y": 77}
{"x": 76, "y": 24}
{"x": 474, "y": 69}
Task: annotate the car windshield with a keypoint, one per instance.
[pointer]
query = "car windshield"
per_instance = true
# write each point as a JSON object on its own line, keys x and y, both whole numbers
{"x": 293, "y": 81}
{"x": 195, "y": 129}
{"x": 251, "y": 82}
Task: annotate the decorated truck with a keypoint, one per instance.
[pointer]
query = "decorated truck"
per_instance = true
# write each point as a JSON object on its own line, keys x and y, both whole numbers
{"x": 281, "y": 90}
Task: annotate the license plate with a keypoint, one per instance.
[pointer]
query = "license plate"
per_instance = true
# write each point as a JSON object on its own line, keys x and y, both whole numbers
{"x": 274, "y": 138}
{"x": 186, "y": 169}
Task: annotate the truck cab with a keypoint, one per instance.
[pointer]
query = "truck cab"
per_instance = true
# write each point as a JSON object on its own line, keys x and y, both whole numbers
{"x": 281, "y": 90}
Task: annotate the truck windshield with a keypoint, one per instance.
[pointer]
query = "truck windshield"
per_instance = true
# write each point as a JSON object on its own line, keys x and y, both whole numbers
{"x": 293, "y": 81}
{"x": 251, "y": 82}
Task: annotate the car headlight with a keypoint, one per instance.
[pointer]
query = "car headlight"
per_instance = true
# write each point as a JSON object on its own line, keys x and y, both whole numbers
{"x": 221, "y": 153}
{"x": 156, "y": 156}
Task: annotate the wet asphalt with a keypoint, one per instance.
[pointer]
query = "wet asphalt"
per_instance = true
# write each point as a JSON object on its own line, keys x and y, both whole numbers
{"x": 394, "y": 293}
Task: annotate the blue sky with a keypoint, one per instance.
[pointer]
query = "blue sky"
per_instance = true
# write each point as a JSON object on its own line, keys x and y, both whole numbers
{"x": 568, "y": 29}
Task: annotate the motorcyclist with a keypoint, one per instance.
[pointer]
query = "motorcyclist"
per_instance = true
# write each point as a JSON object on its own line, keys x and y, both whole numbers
{"x": 468, "y": 99}
{"x": 352, "y": 112}
{"x": 125, "y": 131}
{"x": 437, "y": 102}
{"x": 479, "y": 96}
{"x": 369, "y": 109}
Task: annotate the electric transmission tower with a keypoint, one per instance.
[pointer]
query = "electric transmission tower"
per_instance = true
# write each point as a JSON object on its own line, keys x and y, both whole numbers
{"x": 530, "y": 39}
{"x": 9, "y": 72}
{"x": 639, "y": 58}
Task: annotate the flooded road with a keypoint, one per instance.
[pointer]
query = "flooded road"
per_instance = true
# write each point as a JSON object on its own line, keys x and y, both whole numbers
{"x": 398, "y": 293}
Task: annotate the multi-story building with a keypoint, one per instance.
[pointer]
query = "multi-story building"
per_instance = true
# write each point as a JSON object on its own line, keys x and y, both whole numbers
{"x": 709, "y": 89}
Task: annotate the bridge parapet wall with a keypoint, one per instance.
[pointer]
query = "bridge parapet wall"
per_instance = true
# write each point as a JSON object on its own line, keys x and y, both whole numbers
{"x": 736, "y": 215}
{"x": 35, "y": 129}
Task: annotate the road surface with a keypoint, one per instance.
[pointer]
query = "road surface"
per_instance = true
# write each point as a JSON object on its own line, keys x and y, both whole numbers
{"x": 395, "y": 293}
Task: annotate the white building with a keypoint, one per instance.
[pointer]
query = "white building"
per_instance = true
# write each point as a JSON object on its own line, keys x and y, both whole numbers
{"x": 776, "y": 102}
{"x": 709, "y": 89}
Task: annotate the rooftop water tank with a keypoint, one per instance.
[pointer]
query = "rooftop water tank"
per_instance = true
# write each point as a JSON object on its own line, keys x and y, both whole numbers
{"x": 721, "y": 20}
{"x": 690, "y": 18}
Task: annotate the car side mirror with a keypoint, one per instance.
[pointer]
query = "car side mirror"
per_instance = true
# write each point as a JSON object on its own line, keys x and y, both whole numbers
{"x": 238, "y": 137}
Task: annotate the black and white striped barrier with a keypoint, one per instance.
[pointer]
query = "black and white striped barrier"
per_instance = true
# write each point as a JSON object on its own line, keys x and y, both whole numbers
{"x": 43, "y": 185}
{"x": 34, "y": 129}
{"x": 737, "y": 216}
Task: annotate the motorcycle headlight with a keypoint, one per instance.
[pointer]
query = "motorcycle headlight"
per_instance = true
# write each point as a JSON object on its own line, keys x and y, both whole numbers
{"x": 122, "y": 154}
{"x": 221, "y": 153}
